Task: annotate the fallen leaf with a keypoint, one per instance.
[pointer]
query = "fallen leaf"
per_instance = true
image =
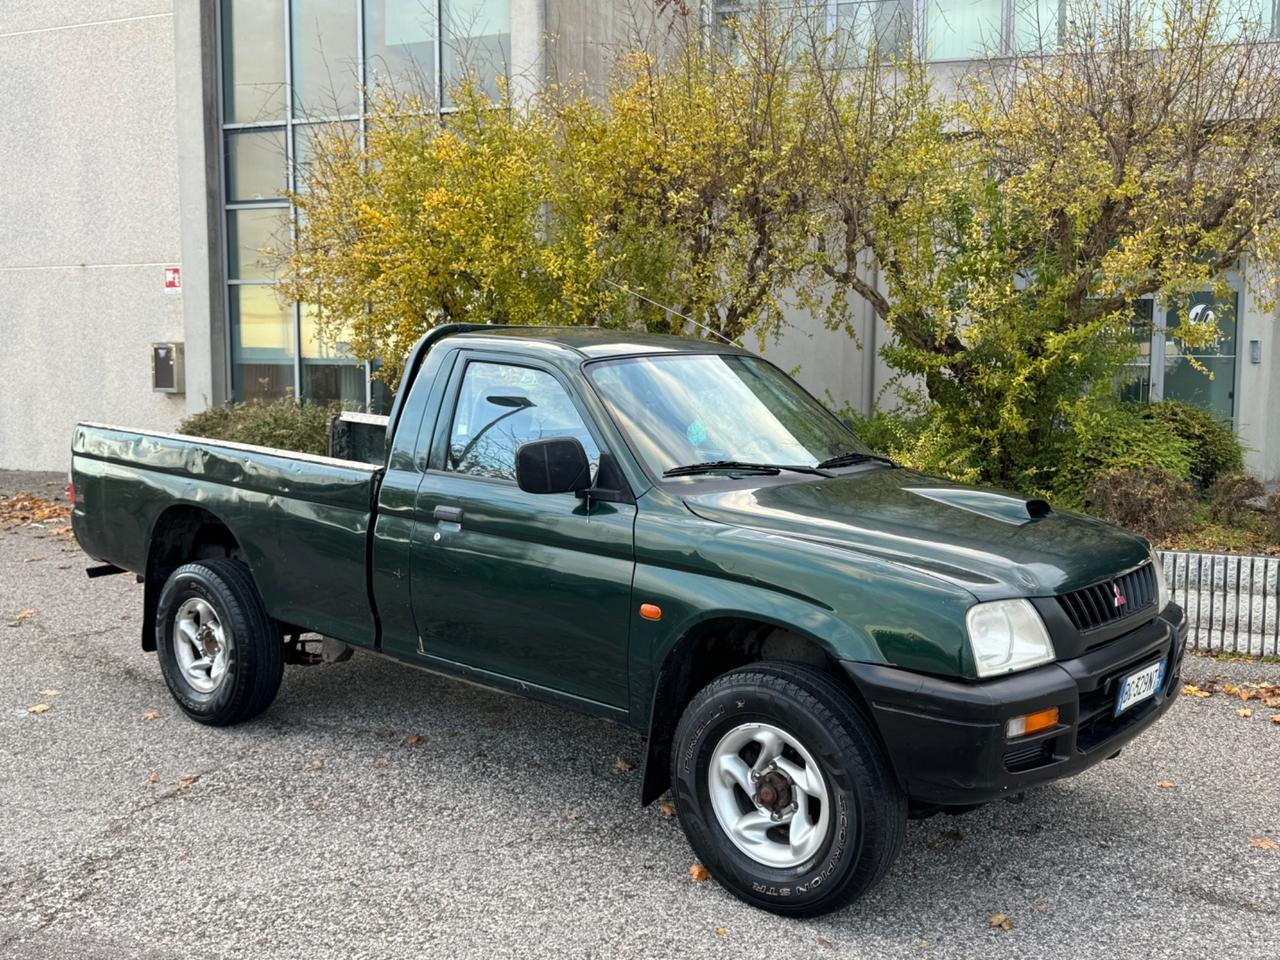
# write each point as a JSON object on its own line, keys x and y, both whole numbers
{"x": 572, "y": 817}
{"x": 33, "y": 559}
{"x": 154, "y": 778}
{"x": 623, "y": 764}
{"x": 722, "y": 931}
{"x": 1272, "y": 702}
{"x": 151, "y": 715}
{"x": 1001, "y": 921}
{"x": 49, "y": 692}
{"x": 1244, "y": 712}
{"x": 318, "y": 804}
{"x": 416, "y": 740}
{"x": 386, "y": 733}
{"x": 39, "y": 708}
{"x": 699, "y": 873}
{"x": 1041, "y": 907}
{"x": 1231, "y": 690}
{"x": 667, "y": 808}
{"x": 379, "y": 764}
{"x": 824, "y": 942}
{"x": 1264, "y": 843}
{"x": 184, "y": 782}
{"x": 1191, "y": 690}
{"x": 22, "y": 616}
{"x": 1276, "y": 718}
{"x": 314, "y": 765}
{"x": 1165, "y": 784}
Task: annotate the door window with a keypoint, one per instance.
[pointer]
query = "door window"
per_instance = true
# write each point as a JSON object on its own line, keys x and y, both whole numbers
{"x": 500, "y": 406}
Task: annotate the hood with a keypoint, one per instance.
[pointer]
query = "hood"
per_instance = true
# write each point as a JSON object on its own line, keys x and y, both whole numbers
{"x": 993, "y": 543}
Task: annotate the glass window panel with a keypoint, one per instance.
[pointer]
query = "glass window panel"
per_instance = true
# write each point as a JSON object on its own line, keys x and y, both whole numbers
{"x": 262, "y": 353}
{"x": 253, "y": 60}
{"x": 400, "y": 46}
{"x": 304, "y": 140}
{"x": 500, "y": 407}
{"x": 1212, "y": 387}
{"x": 887, "y": 23}
{"x": 250, "y": 232}
{"x": 324, "y": 58}
{"x": 255, "y": 165}
{"x": 963, "y": 29}
{"x": 1037, "y": 24}
{"x": 477, "y": 37}
{"x": 316, "y": 348}
{"x": 1135, "y": 382}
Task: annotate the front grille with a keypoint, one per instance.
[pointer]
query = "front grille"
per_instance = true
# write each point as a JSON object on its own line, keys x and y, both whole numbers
{"x": 1096, "y": 605}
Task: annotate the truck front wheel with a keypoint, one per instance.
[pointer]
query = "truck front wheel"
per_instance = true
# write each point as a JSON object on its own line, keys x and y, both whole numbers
{"x": 220, "y": 651}
{"x": 784, "y": 791}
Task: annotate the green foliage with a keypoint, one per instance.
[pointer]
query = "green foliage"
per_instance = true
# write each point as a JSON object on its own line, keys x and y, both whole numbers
{"x": 1113, "y": 437}
{"x": 1227, "y": 496}
{"x": 1214, "y": 447}
{"x": 1147, "y": 500}
{"x": 285, "y": 424}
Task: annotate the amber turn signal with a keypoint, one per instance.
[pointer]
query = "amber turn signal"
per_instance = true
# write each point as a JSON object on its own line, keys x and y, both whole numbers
{"x": 1031, "y": 723}
{"x": 650, "y": 611}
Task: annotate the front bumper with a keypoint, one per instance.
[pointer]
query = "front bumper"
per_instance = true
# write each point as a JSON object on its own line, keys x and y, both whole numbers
{"x": 946, "y": 739}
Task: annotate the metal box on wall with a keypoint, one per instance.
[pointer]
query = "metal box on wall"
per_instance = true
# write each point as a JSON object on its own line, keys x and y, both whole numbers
{"x": 167, "y": 368}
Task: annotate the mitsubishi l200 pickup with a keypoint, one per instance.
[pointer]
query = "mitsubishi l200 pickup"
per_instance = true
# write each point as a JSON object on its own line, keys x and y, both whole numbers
{"x": 816, "y": 642}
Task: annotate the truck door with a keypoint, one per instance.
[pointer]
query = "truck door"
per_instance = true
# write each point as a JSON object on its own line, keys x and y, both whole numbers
{"x": 529, "y": 587}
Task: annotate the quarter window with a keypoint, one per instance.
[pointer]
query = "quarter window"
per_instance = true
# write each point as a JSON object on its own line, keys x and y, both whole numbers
{"x": 501, "y": 406}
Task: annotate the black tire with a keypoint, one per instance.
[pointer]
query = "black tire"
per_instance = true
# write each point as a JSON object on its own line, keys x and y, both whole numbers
{"x": 255, "y": 650}
{"x": 869, "y": 810}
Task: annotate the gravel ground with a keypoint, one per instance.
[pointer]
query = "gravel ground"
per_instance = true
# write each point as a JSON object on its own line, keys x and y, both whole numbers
{"x": 317, "y": 831}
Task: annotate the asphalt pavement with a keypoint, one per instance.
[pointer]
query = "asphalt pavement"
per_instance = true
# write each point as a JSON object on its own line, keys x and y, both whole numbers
{"x": 380, "y": 811}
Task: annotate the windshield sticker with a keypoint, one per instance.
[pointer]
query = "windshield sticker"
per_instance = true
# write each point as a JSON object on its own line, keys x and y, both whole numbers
{"x": 696, "y": 433}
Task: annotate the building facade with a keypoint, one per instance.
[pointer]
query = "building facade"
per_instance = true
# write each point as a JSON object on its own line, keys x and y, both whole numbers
{"x": 151, "y": 144}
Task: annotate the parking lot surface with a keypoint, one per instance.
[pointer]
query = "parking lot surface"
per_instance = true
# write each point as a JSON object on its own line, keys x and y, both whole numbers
{"x": 380, "y": 811}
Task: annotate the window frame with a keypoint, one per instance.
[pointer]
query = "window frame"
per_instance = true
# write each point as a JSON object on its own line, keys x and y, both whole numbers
{"x": 442, "y": 434}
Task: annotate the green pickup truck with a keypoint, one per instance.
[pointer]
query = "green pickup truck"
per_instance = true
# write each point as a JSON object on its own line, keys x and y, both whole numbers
{"x": 669, "y": 533}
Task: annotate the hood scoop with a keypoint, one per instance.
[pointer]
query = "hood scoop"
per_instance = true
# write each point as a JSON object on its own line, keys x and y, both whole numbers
{"x": 985, "y": 503}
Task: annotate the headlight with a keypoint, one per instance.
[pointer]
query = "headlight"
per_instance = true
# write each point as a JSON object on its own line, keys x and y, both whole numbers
{"x": 1007, "y": 635}
{"x": 1163, "y": 593}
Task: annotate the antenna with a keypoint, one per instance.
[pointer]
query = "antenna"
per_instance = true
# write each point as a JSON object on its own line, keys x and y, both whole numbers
{"x": 669, "y": 309}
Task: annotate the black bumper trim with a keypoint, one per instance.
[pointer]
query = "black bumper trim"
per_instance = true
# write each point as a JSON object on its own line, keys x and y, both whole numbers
{"x": 946, "y": 740}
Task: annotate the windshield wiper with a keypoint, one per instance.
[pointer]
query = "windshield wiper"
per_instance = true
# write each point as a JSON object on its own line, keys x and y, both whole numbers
{"x": 854, "y": 456}
{"x": 710, "y": 466}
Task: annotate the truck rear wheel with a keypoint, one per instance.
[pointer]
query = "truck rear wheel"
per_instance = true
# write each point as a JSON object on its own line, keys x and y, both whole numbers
{"x": 220, "y": 651}
{"x": 784, "y": 791}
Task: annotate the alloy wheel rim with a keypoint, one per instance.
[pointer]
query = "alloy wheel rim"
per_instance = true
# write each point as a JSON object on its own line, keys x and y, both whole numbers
{"x": 769, "y": 795}
{"x": 200, "y": 645}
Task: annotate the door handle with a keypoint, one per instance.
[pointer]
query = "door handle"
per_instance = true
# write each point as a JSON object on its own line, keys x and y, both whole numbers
{"x": 448, "y": 514}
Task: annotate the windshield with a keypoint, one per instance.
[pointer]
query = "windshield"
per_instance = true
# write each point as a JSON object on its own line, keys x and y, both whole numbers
{"x": 693, "y": 408}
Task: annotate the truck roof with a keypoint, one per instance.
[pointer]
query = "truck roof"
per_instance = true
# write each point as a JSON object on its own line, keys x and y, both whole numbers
{"x": 596, "y": 342}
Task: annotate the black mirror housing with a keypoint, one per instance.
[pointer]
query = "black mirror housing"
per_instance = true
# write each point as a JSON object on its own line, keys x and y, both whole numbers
{"x": 553, "y": 465}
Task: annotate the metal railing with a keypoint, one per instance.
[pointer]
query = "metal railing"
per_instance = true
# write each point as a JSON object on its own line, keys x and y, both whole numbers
{"x": 1232, "y": 601}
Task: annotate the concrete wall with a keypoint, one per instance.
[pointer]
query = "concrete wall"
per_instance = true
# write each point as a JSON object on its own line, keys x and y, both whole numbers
{"x": 1258, "y": 387}
{"x": 88, "y": 220}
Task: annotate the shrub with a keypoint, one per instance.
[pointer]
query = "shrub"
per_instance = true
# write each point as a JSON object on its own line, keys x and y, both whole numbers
{"x": 285, "y": 423}
{"x": 1227, "y": 496}
{"x": 1214, "y": 448}
{"x": 1148, "y": 500}
{"x": 1270, "y": 523}
{"x": 916, "y": 440}
{"x": 1114, "y": 437}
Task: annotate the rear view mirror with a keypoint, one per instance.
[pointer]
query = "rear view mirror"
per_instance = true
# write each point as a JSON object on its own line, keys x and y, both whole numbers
{"x": 553, "y": 465}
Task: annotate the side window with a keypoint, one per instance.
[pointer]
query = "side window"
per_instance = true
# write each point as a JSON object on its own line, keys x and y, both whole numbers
{"x": 500, "y": 406}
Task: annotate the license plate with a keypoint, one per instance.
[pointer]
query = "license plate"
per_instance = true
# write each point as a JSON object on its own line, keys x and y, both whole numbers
{"x": 1139, "y": 685}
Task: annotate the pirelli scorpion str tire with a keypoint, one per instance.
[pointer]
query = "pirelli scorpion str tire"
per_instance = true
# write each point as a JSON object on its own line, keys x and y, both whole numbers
{"x": 221, "y": 653}
{"x": 784, "y": 790}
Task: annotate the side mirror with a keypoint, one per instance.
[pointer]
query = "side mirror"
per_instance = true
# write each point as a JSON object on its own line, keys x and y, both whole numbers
{"x": 553, "y": 465}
